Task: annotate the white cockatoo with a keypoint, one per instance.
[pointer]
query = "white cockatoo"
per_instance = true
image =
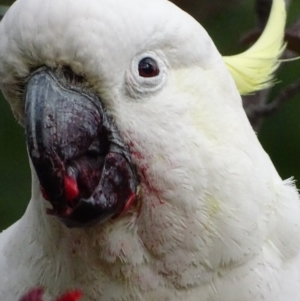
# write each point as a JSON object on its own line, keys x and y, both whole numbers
{"x": 148, "y": 182}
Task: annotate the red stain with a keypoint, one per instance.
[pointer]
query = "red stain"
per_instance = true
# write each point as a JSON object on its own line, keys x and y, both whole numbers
{"x": 71, "y": 189}
{"x": 134, "y": 153}
{"x": 143, "y": 173}
{"x": 70, "y": 296}
{"x": 129, "y": 202}
{"x": 137, "y": 155}
{"x": 149, "y": 186}
{"x": 36, "y": 294}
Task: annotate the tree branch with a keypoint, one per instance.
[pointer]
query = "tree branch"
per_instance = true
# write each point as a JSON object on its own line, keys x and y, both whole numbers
{"x": 269, "y": 109}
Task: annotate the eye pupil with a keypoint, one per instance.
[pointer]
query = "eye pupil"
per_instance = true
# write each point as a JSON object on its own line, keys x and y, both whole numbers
{"x": 148, "y": 67}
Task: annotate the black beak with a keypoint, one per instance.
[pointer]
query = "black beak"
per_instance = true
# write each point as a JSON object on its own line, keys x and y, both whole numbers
{"x": 84, "y": 168}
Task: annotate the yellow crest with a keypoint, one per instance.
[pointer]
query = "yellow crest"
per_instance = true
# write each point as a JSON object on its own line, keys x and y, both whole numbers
{"x": 253, "y": 69}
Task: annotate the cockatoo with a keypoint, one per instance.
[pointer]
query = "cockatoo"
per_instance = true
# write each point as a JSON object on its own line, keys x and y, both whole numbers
{"x": 148, "y": 182}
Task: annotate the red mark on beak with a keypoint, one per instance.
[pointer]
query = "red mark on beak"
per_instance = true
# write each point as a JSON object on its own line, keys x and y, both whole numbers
{"x": 71, "y": 189}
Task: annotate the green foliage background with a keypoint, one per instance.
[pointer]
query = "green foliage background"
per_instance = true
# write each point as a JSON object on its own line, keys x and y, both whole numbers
{"x": 280, "y": 134}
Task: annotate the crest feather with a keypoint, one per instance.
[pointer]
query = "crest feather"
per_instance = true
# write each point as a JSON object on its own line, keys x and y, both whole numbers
{"x": 254, "y": 69}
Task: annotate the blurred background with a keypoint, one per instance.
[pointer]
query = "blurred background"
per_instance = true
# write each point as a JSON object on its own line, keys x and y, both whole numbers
{"x": 227, "y": 22}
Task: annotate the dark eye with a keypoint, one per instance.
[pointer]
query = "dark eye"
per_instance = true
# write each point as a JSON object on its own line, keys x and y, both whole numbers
{"x": 148, "y": 67}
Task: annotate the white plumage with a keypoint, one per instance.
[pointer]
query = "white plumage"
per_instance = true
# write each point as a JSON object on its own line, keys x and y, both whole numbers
{"x": 214, "y": 222}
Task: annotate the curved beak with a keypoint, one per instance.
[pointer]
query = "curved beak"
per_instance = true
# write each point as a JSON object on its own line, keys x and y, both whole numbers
{"x": 84, "y": 168}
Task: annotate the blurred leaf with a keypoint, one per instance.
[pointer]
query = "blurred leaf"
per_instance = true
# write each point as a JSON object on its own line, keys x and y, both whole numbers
{"x": 6, "y": 2}
{"x": 14, "y": 168}
{"x": 3, "y": 9}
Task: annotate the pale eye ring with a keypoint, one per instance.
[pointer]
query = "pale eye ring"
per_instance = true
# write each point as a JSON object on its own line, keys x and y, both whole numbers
{"x": 148, "y": 67}
{"x": 147, "y": 74}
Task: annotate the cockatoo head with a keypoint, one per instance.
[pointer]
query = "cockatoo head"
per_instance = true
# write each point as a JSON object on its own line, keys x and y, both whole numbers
{"x": 126, "y": 104}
